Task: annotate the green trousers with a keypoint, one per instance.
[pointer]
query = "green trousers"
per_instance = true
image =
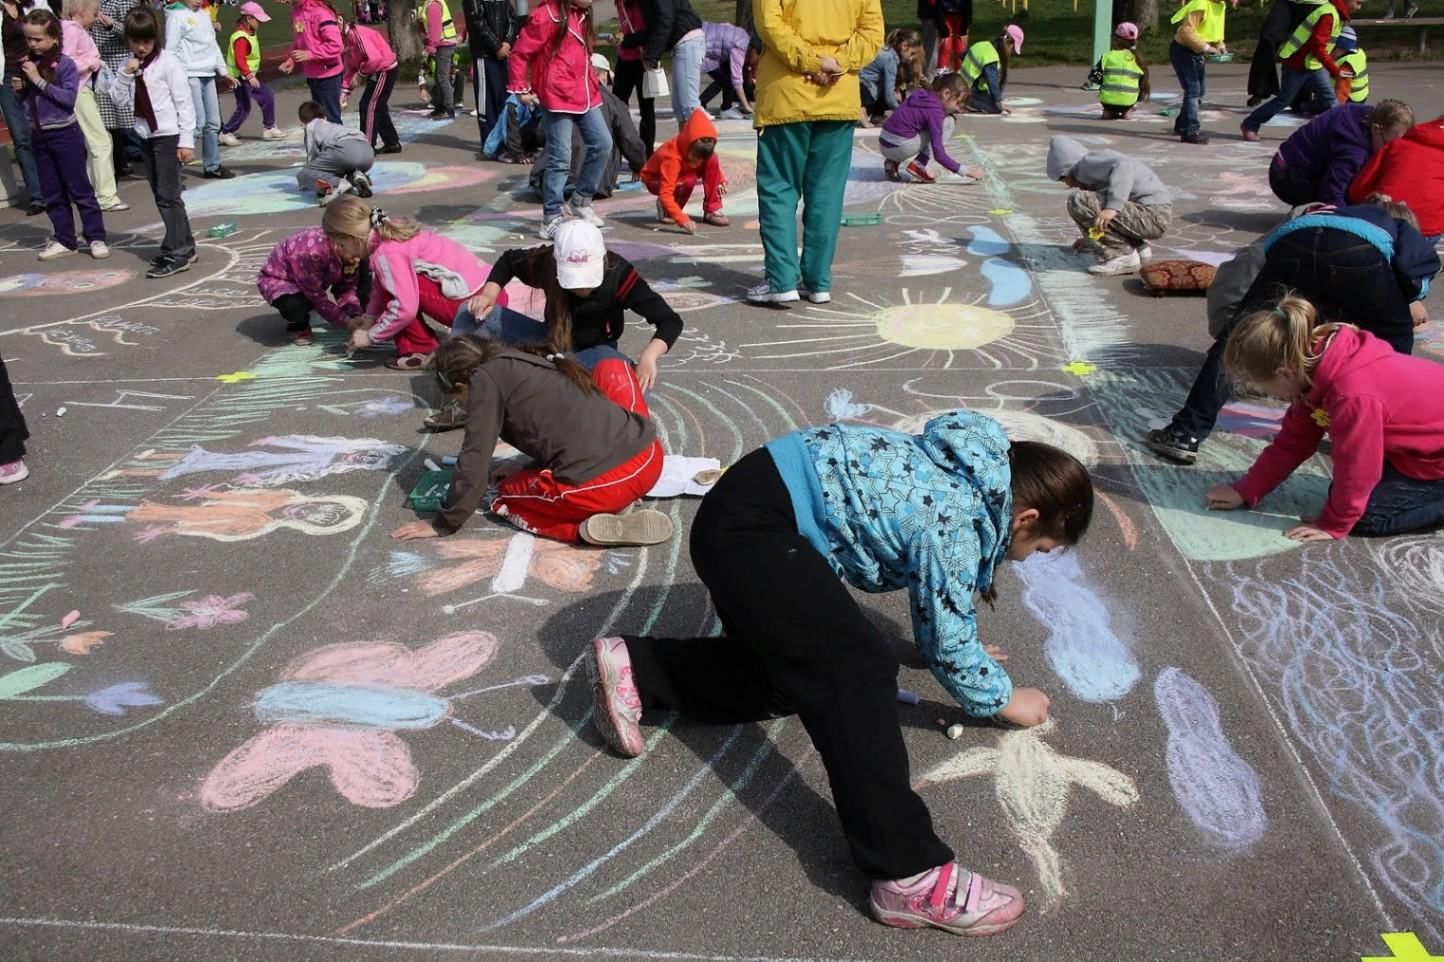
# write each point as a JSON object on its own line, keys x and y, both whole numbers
{"x": 807, "y": 162}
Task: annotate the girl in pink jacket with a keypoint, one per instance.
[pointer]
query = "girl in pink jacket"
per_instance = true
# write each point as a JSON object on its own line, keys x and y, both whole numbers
{"x": 551, "y": 64}
{"x": 368, "y": 54}
{"x": 415, "y": 274}
{"x": 1383, "y": 411}
{"x": 317, "y": 47}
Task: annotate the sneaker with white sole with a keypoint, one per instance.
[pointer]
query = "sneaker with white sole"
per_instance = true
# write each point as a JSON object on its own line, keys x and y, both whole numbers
{"x": 1144, "y": 252}
{"x": 331, "y": 193}
{"x": 617, "y": 708}
{"x": 15, "y": 471}
{"x": 229, "y": 140}
{"x": 273, "y": 133}
{"x": 115, "y": 207}
{"x": 549, "y": 225}
{"x": 731, "y": 113}
{"x": 815, "y": 297}
{"x": 583, "y": 211}
{"x": 632, "y": 528}
{"x": 764, "y": 294}
{"x": 949, "y": 898}
{"x": 1117, "y": 265}
{"x": 362, "y": 183}
{"x": 55, "y": 250}
{"x": 99, "y": 250}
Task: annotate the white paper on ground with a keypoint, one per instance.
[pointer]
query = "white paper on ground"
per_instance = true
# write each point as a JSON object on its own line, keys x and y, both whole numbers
{"x": 678, "y": 474}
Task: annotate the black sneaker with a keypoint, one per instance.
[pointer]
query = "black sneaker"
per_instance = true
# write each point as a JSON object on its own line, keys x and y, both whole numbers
{"x": 35, "y": 208}
{"x": 220, "y": 173}
{"x": 451, "y": 416}
{"x": 1199, "y": 139}
{"x": 441, "y": 115}
{"x": 390, "y": 149}
{"x": 1168, "y": 443}
{"x": 169, "y": 266}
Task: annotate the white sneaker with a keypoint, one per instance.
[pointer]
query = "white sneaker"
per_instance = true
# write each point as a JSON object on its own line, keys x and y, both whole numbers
{"x": 816, "y": 297}
{"x": 731, "y": 113}
{"x": 1116, "y": 266}
{"x": 1144, "y": 253}
{"x": 342, "y": 188}
{"x": 273, "y": 133}
{"x": 229, "y": 140}
{"x": 116, "y": 207}
{"x": 549, "y": 225}
{"x": 99, "y": 250}
{"x": 764, "y": 294}
{"x": 55, "y": 250}
{"x": 583, "y": 211}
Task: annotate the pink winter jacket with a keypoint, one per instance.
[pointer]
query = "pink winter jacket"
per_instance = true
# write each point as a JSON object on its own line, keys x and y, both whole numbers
{"x": 318, "y": 32}
{"x": 563, "y": 81}
{"x": 367, "y": 53}
{"x": 1376, "y": 405}
{"x": 395, "y": 297}
{"x": 305, "y": 263}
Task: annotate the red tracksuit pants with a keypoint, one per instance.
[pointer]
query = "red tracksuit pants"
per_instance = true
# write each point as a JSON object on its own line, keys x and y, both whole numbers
{"x": 535, "y": 501}
{"x": 416, "y": 337}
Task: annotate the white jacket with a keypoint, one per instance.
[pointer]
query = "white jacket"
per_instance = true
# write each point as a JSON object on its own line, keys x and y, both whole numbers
{"x": 191, "y": 36}
{"x": 170, "y": 98}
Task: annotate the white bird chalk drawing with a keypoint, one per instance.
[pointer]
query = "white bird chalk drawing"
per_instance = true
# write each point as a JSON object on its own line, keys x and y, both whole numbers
{"x": 1032, "y": 781}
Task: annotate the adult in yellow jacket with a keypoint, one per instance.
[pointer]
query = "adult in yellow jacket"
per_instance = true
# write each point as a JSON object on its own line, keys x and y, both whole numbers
{"x": 807, "y": 102}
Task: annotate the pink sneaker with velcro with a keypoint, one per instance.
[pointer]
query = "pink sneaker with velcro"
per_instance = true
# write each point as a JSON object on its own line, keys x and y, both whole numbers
{"x": 617, "y": 712}
{"x": 949, "y": 898}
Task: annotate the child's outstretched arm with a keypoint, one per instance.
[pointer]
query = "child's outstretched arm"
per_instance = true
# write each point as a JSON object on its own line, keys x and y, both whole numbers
{"x": 940, "y": 150}
{"x": 1356, "y": 425}
{"x": 1298, "y": 438}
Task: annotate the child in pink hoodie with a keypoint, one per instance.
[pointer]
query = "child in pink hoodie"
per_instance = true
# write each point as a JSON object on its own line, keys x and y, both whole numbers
{"x": 415, "y": 274}
{"x": 368, "y": 54}
{"x": 1383, "y": 411}
{"x": 306, "y": 272}
{"x": 317, "y": 47}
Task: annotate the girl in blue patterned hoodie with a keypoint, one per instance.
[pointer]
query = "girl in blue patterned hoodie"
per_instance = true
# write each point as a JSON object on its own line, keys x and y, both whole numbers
{"x": 933, "y": 513}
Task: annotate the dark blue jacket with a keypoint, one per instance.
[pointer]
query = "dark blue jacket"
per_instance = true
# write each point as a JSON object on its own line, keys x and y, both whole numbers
{"x": 1330, "y": 150}
{"x": 1413, "y": 258}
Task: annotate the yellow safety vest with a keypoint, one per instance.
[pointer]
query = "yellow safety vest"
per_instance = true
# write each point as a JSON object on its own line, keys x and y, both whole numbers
{"x": 980, "y": 56}
{"x": 253, "y": 58}
{"x": 1121, "y": 76}
{"x": 1210, "y": 29}
{"x": 1305, "y": 29}
{"x": 1359, "y": 64}
{"x": 448, "y": 28}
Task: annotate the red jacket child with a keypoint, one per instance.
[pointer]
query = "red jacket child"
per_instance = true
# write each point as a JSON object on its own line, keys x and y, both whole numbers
{"x": 1409, "y": 170}
{"x": 560, "y": 76}
{"x": 673, "y": 171}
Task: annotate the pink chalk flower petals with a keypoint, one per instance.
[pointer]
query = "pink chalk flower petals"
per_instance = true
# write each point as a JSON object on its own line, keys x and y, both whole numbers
{"x": 372, "y": 769}
{"x": 212, "y": 610}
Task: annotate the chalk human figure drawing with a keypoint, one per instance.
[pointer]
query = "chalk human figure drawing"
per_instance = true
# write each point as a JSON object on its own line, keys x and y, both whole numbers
{"x": 339, "y": 708}
{"x": 1032, "y": 782}
{"x": 235, "y": 515}
{"x": 296, "y": 458}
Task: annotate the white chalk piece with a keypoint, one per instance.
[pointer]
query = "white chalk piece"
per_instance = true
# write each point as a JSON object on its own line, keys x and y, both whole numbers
{"x": 449, "y": 460}
{"x": 431, "y": 465}
{"x": 60, "y": 412}
{"x": 907, "y": 697}
{"x": 955, "y": 731}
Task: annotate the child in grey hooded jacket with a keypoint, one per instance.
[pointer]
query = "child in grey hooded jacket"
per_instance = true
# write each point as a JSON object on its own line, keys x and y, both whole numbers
{"x": 337, "y": 158}
{"x": 1117, "y": 202}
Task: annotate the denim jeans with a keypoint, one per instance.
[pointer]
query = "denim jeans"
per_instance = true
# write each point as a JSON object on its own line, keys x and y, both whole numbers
{"x": 1290, "y": 84}
{"x": 1189, "y": 67}
{"x": 326, "y": 91}
{"x": 208, "y": 120}
{"x": 1400, "y": 504}
{"x": 1345, "y": 277}
{"x": 513, "y": 327}
{"x": 19, "y": 124}
{"x": 687, "y": 59}
{"x": 593, "y": 125}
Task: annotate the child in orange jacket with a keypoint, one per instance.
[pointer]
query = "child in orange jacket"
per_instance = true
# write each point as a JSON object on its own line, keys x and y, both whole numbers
{"x": 673, "y": 171}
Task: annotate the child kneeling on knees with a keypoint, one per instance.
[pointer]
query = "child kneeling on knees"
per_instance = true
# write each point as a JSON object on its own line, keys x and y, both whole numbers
{"x": 337, "y": 157}
{"x": 935, "y": 513}
{"x": 1117, "y": 202}
{"x": 309, "y": 271}
{"x": 597, "y": 450}
{"x": 671, "y": 174}
{"x": 1383, "y": 412}
{"x": 914, "y": 132}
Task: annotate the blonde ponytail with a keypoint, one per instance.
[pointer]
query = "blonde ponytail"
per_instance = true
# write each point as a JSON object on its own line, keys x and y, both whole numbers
{"x": 1283, "y": 336}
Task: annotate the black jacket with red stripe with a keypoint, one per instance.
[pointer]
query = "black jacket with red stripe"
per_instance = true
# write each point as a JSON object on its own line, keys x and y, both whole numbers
{"x": 598, "y": 318}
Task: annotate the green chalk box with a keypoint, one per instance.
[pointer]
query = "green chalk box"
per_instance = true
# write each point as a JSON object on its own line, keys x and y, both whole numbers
{"x": 861, "y": 220}
{"x": 430, "y": 490}
{"x": 222, "y": 230}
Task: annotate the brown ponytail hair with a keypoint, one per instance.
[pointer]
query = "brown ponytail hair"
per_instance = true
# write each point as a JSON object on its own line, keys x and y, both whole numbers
{"x": 44, "y": 18}
{"x": 458, "y": 359}
{"x": 1056, "y": 485}
{"x": 542, "y": 265}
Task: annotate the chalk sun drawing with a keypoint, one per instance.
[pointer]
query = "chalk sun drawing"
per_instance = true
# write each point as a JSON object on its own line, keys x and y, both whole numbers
{"x": 1219, "y": 791}
{"x": 1095, "y": 664}
{"x": 1032, "y": 783}
{"x": 339, "y": 708}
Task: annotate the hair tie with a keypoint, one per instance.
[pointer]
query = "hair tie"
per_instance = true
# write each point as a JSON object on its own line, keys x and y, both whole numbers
{"x": 378, "y": 217}
{"x": 555, "y": 357}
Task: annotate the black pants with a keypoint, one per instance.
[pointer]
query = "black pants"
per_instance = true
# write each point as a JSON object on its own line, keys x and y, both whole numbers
{"x": 295, "y": 309}
{"x": 376, "y": 109}
{"x": 488, "y": 80}
{"x": 326, "y": 91}
{"x": 12, "y": 423}
{"x": 1345, "y": 277}
{"x": 628, "y": 77}
{"x": 163, "y": 171}
{"x": 795, "y": 642}
{"x": 720, "y": 80}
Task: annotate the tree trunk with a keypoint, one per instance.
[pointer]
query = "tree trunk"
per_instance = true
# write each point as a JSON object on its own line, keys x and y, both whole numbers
{"x": 1147, "y": 14}
{"x": 743, "y": 17}
{"x": 405, "y": 38}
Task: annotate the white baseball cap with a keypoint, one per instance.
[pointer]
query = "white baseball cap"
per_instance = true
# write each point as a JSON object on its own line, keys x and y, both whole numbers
{"x": 580, "y": 253}
{"x": 600, "y": 62}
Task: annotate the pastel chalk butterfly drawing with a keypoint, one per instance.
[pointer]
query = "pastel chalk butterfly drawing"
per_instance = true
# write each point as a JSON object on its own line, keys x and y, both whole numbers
{"x": 559, "y": 565}
{"x": 339, "y": 708}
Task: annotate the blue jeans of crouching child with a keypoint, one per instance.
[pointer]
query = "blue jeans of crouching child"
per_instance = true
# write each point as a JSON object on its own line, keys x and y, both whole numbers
{"x": 513, "y": 327}
{"x": 1345, "y": 277}
{"x": 598, "y": 138}
{"x": 1191, "y": 77}
{"x": 1400, "y": 504}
